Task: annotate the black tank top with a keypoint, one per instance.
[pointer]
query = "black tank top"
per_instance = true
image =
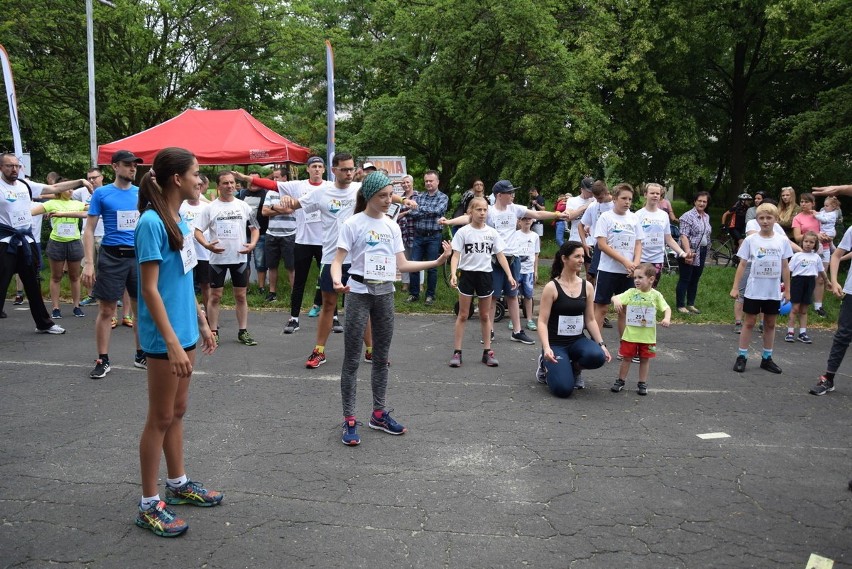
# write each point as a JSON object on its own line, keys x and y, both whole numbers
{"x": 565, "y": 305}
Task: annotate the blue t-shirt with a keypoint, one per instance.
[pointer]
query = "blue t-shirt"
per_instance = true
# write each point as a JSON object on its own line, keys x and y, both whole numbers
{"x": 175, "y": 286}
{"x": 116, "y": 207}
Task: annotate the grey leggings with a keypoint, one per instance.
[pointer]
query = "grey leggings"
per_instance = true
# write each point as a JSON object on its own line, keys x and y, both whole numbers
{"x": 379, "y": 309}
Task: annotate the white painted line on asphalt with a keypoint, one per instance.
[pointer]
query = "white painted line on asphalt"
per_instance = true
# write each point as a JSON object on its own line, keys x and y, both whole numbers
{"x": 707, "y": 436}
{"x": 707, "y": 391}
{"x": 819, "y": 562}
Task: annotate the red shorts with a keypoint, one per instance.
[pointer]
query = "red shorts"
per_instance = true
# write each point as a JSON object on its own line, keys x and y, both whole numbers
{"x": 628, "y": 350}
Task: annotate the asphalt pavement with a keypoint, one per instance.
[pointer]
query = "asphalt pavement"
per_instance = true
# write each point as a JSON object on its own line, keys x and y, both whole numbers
{"x": 493, "y": 472}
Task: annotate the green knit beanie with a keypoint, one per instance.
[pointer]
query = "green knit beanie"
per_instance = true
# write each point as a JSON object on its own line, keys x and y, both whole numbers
{"x": 373, "y": 183}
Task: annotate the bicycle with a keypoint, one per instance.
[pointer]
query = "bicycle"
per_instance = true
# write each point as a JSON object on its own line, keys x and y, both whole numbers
{"x": 723, "y": 252}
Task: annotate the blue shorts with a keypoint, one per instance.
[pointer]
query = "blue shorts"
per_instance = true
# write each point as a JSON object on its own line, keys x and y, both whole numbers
{"x": 525, "y": 285}
{"x": 325, "y": 283}
{"x": 609, "y": 285}
{"x": 501, "y": 281}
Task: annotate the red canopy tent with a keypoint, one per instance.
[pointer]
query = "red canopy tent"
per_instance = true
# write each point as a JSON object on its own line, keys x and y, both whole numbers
{"x": 215, "y": 137}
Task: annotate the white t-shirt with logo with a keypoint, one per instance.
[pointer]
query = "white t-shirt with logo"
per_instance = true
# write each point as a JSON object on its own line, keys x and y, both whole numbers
{"x": 655, "y": 226}
{"x": 526, "y": 246}
{"x": 190, "y": 213}
{"x": 15, "y": 206}
{"x": 476, "y": 246}
{"x": 765, "y": 254}
{"x": 506, "y": 223}
{"x": 308, "y": 225}
{"x": 805, "y": 264}
{"x": 335, "y": 206}
{"x": 226, "y": 222}
{"x": 621, "y": 233}
{"x": 590, "y": 219}
{"x": 372, "y": 245}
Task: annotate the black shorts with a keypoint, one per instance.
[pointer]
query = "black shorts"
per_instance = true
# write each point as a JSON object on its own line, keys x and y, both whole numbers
{"x": 476, "y": 283}
{"x": 239, "y": 275}
{"x": 802, "y": 289}
{"x": 65, "y": 250}
{"x": 201, "y": 273}
{"x": 165, "y": 356}
{"x": 609, "y": 285}
{"x": 767, "y": 307}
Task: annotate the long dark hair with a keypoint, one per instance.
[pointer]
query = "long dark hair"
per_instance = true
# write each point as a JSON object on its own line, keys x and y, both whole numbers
{"x": 567, "y": 248}
{"x": 167, "y": 163}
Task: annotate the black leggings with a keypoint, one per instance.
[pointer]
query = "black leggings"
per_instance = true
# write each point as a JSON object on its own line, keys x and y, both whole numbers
{"x": 302, "y": 257}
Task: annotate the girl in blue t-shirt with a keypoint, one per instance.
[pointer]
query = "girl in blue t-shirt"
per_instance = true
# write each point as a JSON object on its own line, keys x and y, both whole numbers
{"x": 170, "y": 322}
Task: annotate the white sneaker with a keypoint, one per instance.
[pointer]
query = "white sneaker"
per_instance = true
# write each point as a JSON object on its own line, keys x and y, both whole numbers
{"x": 52, "y": 330}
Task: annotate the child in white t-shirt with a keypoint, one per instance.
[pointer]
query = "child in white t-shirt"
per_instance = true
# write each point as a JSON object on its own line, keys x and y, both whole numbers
{"x": 473, "y": 247}
{"x": 768, "y": 254}
{"x": 527, "y": 245}
{"x": 805, "y": 267}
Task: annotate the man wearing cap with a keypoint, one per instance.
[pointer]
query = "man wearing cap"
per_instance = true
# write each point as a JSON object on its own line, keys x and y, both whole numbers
{"x": 431, "y": 206}
{"x": 117, "y": 203}
{"x": 18, "y": 251}
{"x": 503, "y": 216}
{"x": 576, "y": 206}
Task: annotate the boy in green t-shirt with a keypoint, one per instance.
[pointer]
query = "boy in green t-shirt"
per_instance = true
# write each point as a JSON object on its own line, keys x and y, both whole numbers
{"x": 640, "y": 335}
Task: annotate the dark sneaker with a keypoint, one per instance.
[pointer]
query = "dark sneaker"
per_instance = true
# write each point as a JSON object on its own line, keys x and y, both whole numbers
{"x": 77, "y": 312}
{"x": 261, "y": 291}
{"x": 429, "y": 301}
{"x": 140, "y": 361}
{"x": 101, "y": 369}
{"x": 617, "y": 386}
{"x": 492, "y": 337}
{"x": 336, "y": 326}
{"x": 769, "y": 365}
{"x": 245, "y": 338}
{"x": 55, "y": 329}
{"x": 161, "y": 520}
{"x": 387, "y": 424}
{"x": 489, "y": 359}
{"x": 820, "y": 311}
{"x": 541, "y": 371}
{"x": 56, "y": 314}
{"x": 522, "y": 338}
{"x": 271, "y": 297}
{"x": 607, "y": 323}
{"x": 804, "y": 338}
{"x": 350, "y": 433}
{"x": 411, "y": 298}
{"x": 19, "y": 300}
{"x": 456, "y": 360}
{"x": 89, "y": 300}
{"x": 642, "y": 388}
{"x": 760, "y": 328}
{"x": 291, "y": 326}
{"x": 823, "y": 386}
{"x": 738, "y": 327}
{"x": 192, "y": 493}
{"x": 315, "y": 360}
{"x": 739, "y": 365}
{"x": 790, "y": 337}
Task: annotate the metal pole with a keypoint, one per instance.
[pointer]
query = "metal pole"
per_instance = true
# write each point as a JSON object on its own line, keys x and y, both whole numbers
{"x": 90, "y": 48}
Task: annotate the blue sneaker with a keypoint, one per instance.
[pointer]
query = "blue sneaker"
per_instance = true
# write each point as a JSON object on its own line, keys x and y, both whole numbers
{"x": 314, "y": 312}
{"x": 77, "y": 312}
{"x": 350, "y": 433}
{"x": 192, "y": 493}
{"x": 89, "y": 300}
{"x": 161, "y": 520}
{"x": 386, "y": 424}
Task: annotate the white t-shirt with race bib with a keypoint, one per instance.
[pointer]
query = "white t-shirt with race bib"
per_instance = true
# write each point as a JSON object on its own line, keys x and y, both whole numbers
{"x": 372, "y": 244}
{"x": 506, "y": 223}
{"x": 308, "y": 225}
{"x": 476, "y": 246}
{"x": 226, "y": 222}
{"x": 655, "y": 226}
{"x": 15, "y": 206}
{"x": 765, "y": 254}
{"x": 621, "y": 233}
{"x": 526, "y": 246}
{"x": 335, "y": 205}
{"x": 190, "y": 213}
